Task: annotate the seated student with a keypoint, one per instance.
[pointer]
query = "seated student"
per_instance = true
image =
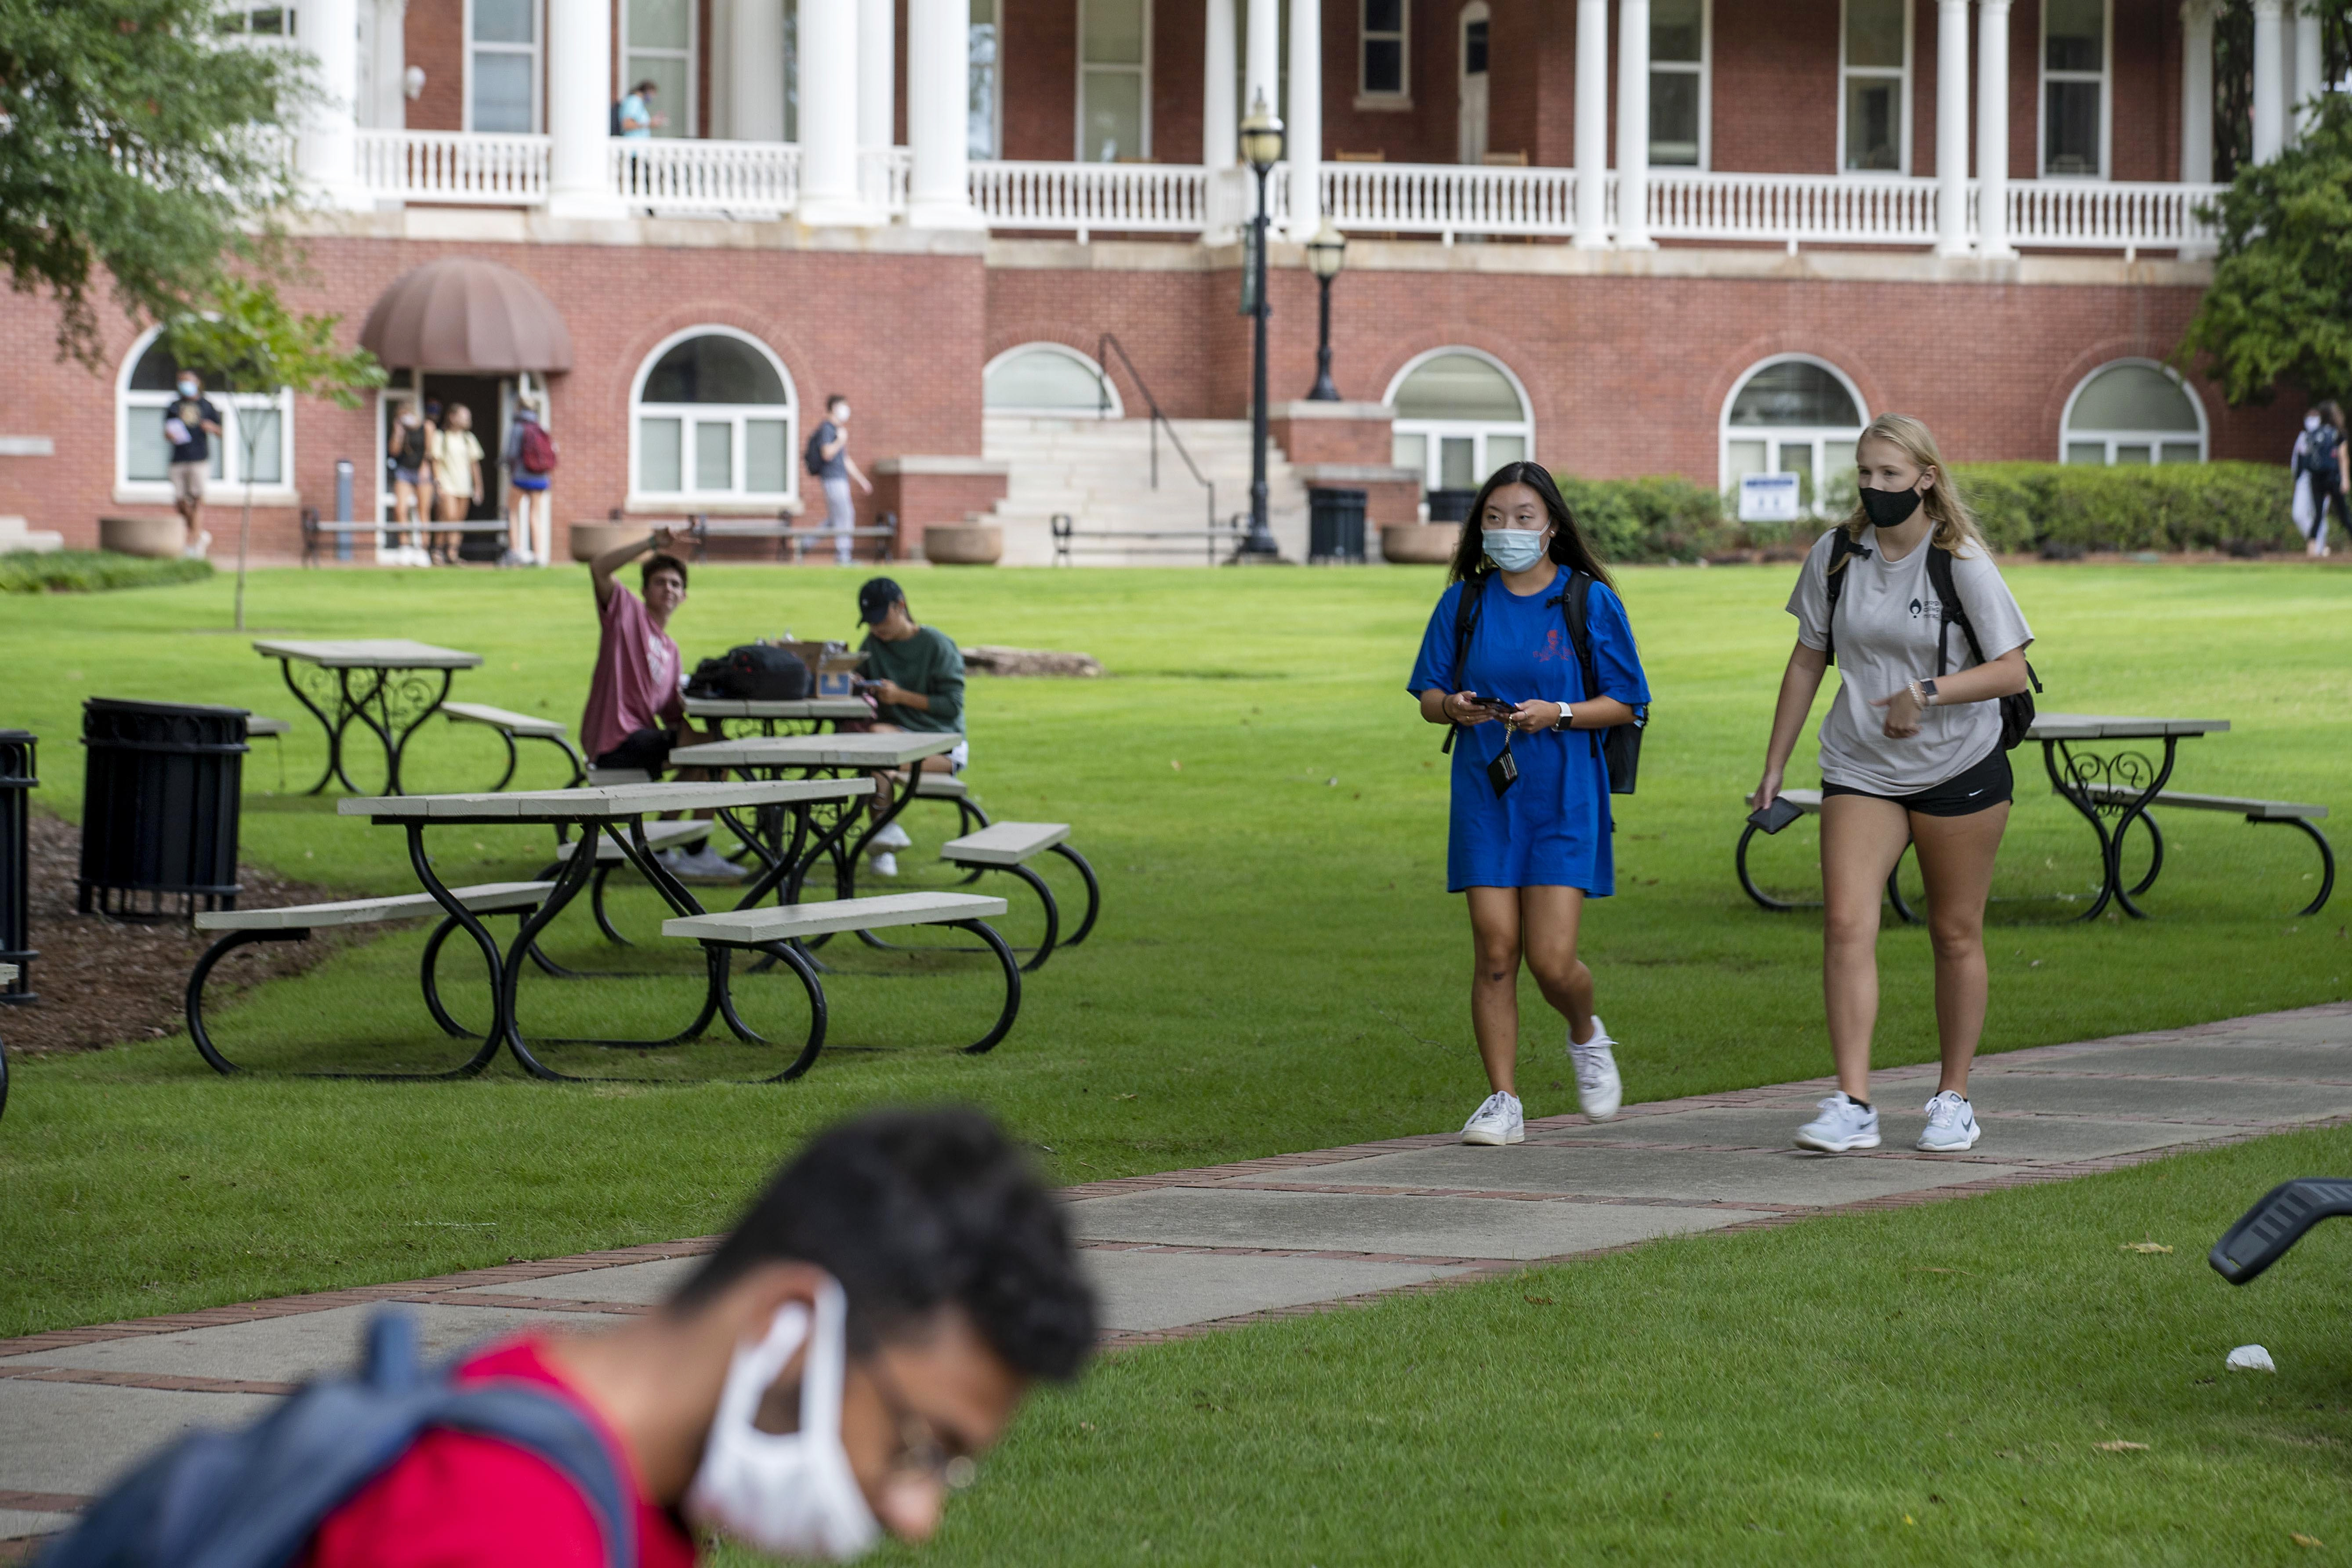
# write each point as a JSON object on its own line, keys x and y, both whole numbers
{"x": 915, "y": 675}
{"x": 829, "y": 1374}
{"x": 636, "y": 701}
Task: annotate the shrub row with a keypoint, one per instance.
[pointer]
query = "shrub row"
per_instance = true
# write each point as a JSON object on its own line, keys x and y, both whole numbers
{"x": 91, "y": 571}
{"x": 1650, "y": 521}
{"x": 2064, "y": 508}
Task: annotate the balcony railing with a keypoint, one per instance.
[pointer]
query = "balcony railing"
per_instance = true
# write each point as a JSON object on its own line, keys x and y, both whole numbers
{"x": 469, "y": 167}
{"x": 1791, "y": 209}
{"x": 2096, "y": 215}
{"x": 1133, "y": 198}
{"x": 1445, "y": 199}
{"x": 680, "y": 177}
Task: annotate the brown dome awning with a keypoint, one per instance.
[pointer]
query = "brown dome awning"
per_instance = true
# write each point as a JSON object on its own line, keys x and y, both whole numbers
{"x": 464, "y": 313}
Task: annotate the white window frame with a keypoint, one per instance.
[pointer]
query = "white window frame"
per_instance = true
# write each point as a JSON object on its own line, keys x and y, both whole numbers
{"x": 2154, "y": 439}
{"x": 2105, "y": 76}
{"x": 688, "y": 414}
{"x": 1704, "y": 72}
{"x": 1776, "y": 435}
{"x": 1116, "y": 410}
{"x": 1479, "y": 430}
{"x": 536, "y": 49}
{"x": 995, "y": 85}
{"x": 683, "y": 121}
{"x": 1078, "y": 128}
{"x": 1907, "y": 108}
{"x": 1366, "y": 98}
{"x": 229, "y": 446}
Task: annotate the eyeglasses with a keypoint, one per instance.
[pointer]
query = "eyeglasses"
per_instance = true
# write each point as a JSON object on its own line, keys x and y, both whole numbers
{"x": 921, "y": 1455}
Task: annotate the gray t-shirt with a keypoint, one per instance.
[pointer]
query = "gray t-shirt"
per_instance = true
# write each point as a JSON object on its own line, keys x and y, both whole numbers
{"x": 1887, "y": 616}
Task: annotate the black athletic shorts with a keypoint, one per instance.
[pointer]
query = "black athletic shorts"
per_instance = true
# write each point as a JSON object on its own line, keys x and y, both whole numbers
{"x": 645, "y": 749}
{"x": 1988, "y": 783}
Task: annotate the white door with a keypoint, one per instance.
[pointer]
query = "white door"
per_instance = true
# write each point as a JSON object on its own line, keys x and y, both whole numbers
{"x": 1471, "y": 54}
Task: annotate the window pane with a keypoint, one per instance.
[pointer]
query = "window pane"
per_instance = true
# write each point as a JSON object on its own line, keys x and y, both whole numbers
{"x": 766, "y": 456}
{"x": 1459, "y": 387}
{"x": 1114, "y": 32}
{"x": 2181, "y": 452}
{"x": 1874, "y": 32}
{"x": 1873, "y": 107}
{"x": 2075, "y": 35}
{"x": 1113, "y": 120}
{"x": 2091, "y": 452}
{"x": 502, "y": 21}
{"x": 1383, "y": 65}
{"x": 2133, "y": 452}
{"x": 1455, "y": 470}
{"x": 667, "y": 73}
{"x": 1404, "y": 451}
{"x": 2132, "y": 398}
{"x": 1041, "y": 378}
{"x": 714, "y": 369}
{"x": 1502, "y": 449}
{"x": 1794, "y": 392}
{"x": 1474, "y": 49}
{"x": 1744, "y": 458}
{"x": 2070, "y": 116}
{"x": 659, "y": 24}
{"x": 156, "y": 370}
{"x": 1796, "y": 458}
{"x": 1383, "y": 15}
{"x": 979, "y": 133}
{"x": 1677, "y": 29}
{"x": 658, "y": 472}
{"x": 268, "y": 448}
{"x": 149, "y": 456}
{"x": 714, "y": 456}
{"x": 1673, "y": 117}
{"x": 1837, "y": 461}
{"x": 501, "y": 91}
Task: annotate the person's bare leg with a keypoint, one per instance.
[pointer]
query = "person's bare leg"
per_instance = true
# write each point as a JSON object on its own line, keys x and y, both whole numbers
{"x": 1495, "y": 983}
{"x": 1955, "y": 856}
{"x": 1862, "y": 838}
{"x": 1549, "y": 920}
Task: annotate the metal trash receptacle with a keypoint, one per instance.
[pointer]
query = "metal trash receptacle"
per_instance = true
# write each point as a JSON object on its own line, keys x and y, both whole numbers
{"x": 18, "y": 781}
{"x": 1451, "y": 506}
{"x": 1335, "y": 524}
{"x": 159, "y": 806}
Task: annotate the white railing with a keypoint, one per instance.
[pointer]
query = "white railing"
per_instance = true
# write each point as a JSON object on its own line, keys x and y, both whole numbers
{"x": 883, "y": 173}
{"x": 1140, "y": 198}
{"x": 720, "y": 179}
{"x": 2093, "y": 215}
{"x": 1448, "y": 199}
{"x": 473, "y": 168}
{"x": 1792, "y": 209}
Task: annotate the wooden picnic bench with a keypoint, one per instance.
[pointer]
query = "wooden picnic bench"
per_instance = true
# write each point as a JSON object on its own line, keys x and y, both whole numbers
{"x": 1009, "y": 846}
{"x": 792, "y": 542}
{"x": 511, "y": 727}
{"x": 2294, "y": 813}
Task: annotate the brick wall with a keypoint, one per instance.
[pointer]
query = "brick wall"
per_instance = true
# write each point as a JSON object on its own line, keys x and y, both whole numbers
{"x": 434, "y": 37}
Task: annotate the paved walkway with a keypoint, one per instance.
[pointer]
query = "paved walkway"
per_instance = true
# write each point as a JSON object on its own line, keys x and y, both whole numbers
{"x": 1232, "y": 1244}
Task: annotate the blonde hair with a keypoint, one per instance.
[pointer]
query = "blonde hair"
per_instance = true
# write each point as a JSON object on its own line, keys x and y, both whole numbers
{"x": 1956, "y": 527}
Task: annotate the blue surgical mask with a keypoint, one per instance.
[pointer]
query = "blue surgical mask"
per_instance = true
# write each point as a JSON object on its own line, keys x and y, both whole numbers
{"x": 1513, "y": 549}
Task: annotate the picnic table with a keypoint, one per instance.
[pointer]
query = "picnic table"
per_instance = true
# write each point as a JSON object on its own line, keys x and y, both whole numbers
{"x": 2121, "y": 785}
{"x": 384, "y": 683}
{"x": 814, "y": 711}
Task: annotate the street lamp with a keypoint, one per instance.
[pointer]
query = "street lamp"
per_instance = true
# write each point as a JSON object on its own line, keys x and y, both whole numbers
{"x": 1261, "y": 138}
{"x": 1326, "y": 254}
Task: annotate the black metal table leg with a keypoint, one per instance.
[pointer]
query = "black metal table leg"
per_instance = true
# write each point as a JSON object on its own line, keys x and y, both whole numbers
{"x": 2134, "y": 812}
{"x": 333, "y": 731}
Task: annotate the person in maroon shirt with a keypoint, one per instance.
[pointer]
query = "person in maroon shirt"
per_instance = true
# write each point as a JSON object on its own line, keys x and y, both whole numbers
{"x": 831, "y": 1373}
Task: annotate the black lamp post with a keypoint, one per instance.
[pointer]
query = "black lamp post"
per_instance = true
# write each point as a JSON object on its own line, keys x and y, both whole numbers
{"x": 1261, "y": 138}
{"x": 1326, "y": 254}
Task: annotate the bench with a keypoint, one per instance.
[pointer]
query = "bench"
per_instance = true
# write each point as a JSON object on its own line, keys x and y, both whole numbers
{"x": 948, "y": 786}
{"x": 512, "y": 726}
{"x": 1809, "y": 801}
{"x": 295, "y": 922}
{"x": 316, "y": 534}
{"x": 258, "y": 726}
{"x": 2295, "y": 814}
{"x": 659, "y": 836}
{"x": 778, "y": 930}
{"x": 1069, "y": 538}
{"x": 792, "y": 542}
{"x": 1009, "y": 846}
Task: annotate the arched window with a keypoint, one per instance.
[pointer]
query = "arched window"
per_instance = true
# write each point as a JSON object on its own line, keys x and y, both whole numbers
{"x": 143, "y": 398}
{"x": 1792, "y": 414}
{"x": 2132, "y": 411}
{"x": 1459, "y": 416}
{"x": 713, "y": 419}
{"x": 1047, "y": 378}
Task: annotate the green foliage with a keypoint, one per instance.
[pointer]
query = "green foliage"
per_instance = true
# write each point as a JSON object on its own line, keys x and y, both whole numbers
{"x": 135, "y": 142}
{"x": 244, "y": 339}
{"x": 2281, "y": 305}
{"x": 91, "y": 571}
{"x": 2069, "y": 507}
{"x": 1645, "y": 521}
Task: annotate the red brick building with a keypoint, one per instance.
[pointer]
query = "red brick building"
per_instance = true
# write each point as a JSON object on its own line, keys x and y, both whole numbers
{"x": 1625, "y": 237}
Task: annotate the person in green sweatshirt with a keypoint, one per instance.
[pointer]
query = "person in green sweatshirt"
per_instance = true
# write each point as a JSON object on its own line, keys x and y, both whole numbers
{"x": 915, "y": 675}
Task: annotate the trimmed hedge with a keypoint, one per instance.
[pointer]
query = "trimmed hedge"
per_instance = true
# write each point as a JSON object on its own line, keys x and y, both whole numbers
{"x": 2177, "y": 506}
{"x": 91, "y": 571}
{"x": 1649, "y": 520}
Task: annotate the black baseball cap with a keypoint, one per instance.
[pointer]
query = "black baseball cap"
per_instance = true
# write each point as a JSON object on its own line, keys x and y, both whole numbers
{"x": 876, "y": 597}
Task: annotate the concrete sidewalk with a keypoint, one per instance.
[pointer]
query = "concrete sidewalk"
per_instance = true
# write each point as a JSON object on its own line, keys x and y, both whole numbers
{"x": 1232, "y": 1244}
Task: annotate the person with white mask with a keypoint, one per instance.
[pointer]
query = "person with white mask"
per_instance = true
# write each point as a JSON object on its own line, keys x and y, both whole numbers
{"x": 1531, "y": 832}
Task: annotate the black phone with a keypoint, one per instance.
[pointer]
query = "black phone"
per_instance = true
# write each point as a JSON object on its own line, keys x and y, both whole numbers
{"x": 1777, "y": 815}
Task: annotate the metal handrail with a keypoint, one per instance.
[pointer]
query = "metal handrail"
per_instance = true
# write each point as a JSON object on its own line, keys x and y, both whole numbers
{"x": 1107, "y": 345}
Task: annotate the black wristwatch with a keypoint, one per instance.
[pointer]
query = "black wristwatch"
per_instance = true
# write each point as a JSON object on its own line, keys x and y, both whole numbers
{"x": 1566, "y": 720}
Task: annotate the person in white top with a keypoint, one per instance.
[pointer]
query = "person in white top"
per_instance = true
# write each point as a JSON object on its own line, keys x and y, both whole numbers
{"x": 1909, "y": 755}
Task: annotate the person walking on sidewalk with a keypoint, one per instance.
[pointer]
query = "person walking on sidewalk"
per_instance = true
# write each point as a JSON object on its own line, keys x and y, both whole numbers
{"x": 1530, "y": 838}
{"x": 2323, "y": 470}
{"x": 915, "y": 675}
{"x": 828, "y": 462}
{"x": 190, "y": 425}
{"x": 1909, "y": 755}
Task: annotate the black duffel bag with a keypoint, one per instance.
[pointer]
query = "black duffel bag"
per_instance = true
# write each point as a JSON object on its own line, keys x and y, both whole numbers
{"x": 756, "y": 672}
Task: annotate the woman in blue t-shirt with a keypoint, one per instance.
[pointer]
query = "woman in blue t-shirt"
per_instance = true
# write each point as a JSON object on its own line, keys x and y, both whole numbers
{"x": 1498, "y": 663}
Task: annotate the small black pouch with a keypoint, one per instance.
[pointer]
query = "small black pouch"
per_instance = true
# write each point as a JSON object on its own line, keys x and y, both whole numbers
{"x": 1504, "y": 771}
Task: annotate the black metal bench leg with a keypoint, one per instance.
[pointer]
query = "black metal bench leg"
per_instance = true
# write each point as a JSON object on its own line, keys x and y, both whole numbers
{"x": 1093, "y": 893}
{"x": 513, "y": 759}
{"x": 2156, "y": 854}
{"x": 2327, "y": 860}
{"x": 203, "y": 971}
{"x": 1747, "y": 882}
{"x": 597, "y": 904}
{"x": 786, "y": 953}
{"x": 1903, "y": 910}
{"x": 1053, "y": 917}
{"x": 1011, "y": 966}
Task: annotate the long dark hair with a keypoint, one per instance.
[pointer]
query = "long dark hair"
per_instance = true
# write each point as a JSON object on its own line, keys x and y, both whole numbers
{"x": 2326, "y": 409}
{"x": 1566, "y": 549}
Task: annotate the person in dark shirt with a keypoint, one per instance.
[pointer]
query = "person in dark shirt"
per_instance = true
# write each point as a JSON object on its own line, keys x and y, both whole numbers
{"x": 189, "y": 423}
{"x": 915, "y": 675}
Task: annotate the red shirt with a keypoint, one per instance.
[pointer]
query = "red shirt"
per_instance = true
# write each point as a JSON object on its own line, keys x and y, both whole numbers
{"x": 635, "y": 684}
{"x": 457, "y": 1501}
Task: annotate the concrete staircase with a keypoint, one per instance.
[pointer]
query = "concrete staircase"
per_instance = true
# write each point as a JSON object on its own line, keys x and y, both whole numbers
{"x": 1099, "y": 471}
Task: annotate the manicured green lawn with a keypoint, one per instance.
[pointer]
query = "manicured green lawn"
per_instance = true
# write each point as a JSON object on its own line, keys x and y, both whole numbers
{"x": 1278, "y": 966}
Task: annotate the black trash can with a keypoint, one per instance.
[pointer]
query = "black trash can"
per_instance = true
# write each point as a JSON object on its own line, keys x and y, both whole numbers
{"x": 1335, "y": 524}
{"x": 1451, "y": 506}
{"x": 159, "y": 806}
{"x": 16, "y": 784}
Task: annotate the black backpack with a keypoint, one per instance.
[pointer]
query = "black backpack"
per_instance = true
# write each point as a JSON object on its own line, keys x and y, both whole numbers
{"x": 2319, "y": 451}
{"x": 813, "y": 455}
{"x": 2017, "y": 709}
{"x": 756, "y": 672}
{"x": 1620, "y": 746}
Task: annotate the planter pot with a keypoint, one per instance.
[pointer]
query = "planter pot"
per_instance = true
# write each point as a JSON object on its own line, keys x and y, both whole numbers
{"x": 1420, "y": 543}
{"x": 589, "y": 539}
{"x": 963, "y": 543}
{"x": 160, "y": 537}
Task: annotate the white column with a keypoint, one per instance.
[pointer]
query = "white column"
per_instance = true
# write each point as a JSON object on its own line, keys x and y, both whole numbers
{"x": 939, "y": 86}
{"x": 1303, "y": 118}
{"x": 2270, "y": 82}
{"x": 1591, "y": 124}
{"x": 1220, "y": 144}
{"x": 579, "y": 110}
{"x": 1262, "y": 57}
{"x": 755, "y": 70}
{"x": 828, "y": 62}
{"x": 327, "y": 150}
{"x": 877, "y": 78}
{"x": 2197, "y": 92}
{"x": 1951, "y": 127}
{"x": 1634, "y": 125}
{"x": 2309, "y": 66}
{"x": 1992, "y": 129}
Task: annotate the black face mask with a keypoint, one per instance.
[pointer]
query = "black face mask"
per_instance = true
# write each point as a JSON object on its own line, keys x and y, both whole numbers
{"x": 1889, "y": 508}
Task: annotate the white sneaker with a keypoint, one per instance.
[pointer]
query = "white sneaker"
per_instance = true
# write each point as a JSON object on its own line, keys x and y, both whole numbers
{"x": 196, "y": 551}
{"x": 1842, "y": 1125}
{"x": 883, "y": 863}
{"x": 706, "y": 863}
{"x": 1951, "y": 1126}
{"x": 1496, "y": 1122}
{"x": 892, "y": 837}
{"x": 1598, "y": 1090}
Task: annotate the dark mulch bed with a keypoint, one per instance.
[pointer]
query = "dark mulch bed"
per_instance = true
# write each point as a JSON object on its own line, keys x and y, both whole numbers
{"x": 102, "y": 982}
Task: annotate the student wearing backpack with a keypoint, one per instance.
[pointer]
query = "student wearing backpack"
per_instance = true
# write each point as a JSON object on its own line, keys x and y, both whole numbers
{"x": 1504, "y": 666}
{"x": 828, "y": 462}
{"x": 2322, "y": 463}
{"x": 531, "y": 456}
{"x": 1913, "y": 752}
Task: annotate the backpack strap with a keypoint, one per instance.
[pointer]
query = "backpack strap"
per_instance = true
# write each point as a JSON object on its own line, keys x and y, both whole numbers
{"x": 1467, "y": 609}
{"x": 1939, "y": 574}
{"x": 1574, "y": 604}
{"x": 1833, "y": 583}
